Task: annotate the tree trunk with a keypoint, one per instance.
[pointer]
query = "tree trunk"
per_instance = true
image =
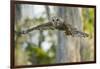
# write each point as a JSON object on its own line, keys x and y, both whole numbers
{"x": 68, "y": 49}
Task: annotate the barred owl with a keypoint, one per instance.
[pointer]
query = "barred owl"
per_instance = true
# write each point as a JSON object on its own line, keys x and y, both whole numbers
{"x": 59, "y": 24}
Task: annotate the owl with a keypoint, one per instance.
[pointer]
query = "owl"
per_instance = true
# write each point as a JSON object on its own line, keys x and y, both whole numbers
{"x": 59, "y": 24}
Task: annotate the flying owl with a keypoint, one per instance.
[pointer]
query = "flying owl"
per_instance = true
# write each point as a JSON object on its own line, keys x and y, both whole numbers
{"x": 59, "y": 24}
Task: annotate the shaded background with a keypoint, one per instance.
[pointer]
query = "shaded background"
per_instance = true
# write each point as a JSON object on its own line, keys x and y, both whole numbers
{"x": 52, "y": 46}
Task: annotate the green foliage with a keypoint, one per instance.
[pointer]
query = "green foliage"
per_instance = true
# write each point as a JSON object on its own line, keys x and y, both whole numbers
{"x": 88, "y": 20}
{"x": 40, "y": 55}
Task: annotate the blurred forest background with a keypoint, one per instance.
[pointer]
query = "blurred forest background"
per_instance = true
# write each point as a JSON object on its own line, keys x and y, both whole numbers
{"x": 52, "y": 46}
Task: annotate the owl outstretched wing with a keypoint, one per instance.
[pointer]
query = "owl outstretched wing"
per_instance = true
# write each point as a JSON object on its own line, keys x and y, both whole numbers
{"x": 74, "y": 32}
{"x": 80, "y": 34}
{"x": 44, "y": 26}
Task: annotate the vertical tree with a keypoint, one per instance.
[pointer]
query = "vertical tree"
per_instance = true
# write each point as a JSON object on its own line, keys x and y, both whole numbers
{"x": 68, "y": 49}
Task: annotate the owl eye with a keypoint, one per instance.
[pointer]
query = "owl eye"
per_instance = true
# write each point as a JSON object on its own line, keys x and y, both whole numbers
{"x": 53, "y": 20}
{"x": 57, "y": 19}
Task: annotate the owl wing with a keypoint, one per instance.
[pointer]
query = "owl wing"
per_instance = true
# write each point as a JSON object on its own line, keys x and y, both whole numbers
{"x": 80, "y": 34}
{"x": 44, "y": 26}
{"x": 74, "y": 32}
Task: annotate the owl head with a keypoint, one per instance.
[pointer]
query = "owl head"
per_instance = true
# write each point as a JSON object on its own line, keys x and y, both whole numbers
{"x": 56, "y": 21}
